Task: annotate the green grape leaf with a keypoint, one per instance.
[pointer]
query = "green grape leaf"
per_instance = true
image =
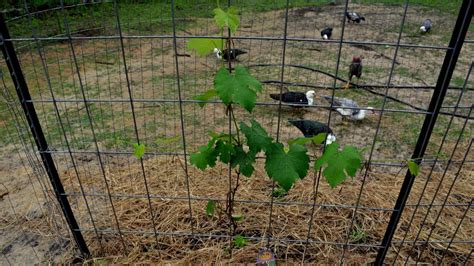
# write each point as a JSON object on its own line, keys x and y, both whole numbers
{"x": 210, "y": 207}
{"x": 318, "y": 139}
{"x": 279, "y": 192}
{"x": 205, "y": 96}
{"x": 206, "y": 156}
{"x": 139, "y": 150}
{"x": 229, "y": 18}
{"x": 299, "y": 159}
{"x": 205, "y": 46}
{"x": 224, "y": 150}
{"x": 244, "y": 160}
{"x": 338, "y": 165}
{"x": 239, "y": 87}
{"x": 221, "y": 136}
{"x": 240, "y": 241}
{"x": 214, "y": 134}
{"x": 223, "y": 84}
{"x": 257, "y": 137}
{"x": 413, "y": 167}
{"x": 299, "y": 141}
{"x": 286, "y": 168}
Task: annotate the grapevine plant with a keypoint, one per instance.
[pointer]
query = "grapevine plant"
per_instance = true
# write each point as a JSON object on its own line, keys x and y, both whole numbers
{"x": 284, "y": 165}
{"x": 237, "y": 88}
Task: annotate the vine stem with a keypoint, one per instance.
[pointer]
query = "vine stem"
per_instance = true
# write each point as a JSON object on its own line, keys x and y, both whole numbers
{"x": 232, "y": 198}
{"x": 231, "y": 192}
{"x": 236, "y": 127}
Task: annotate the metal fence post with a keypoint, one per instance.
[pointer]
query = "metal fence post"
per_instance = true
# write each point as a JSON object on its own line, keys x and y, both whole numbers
{"x": 445, "y": 74}
{"x": 28, "y": 108}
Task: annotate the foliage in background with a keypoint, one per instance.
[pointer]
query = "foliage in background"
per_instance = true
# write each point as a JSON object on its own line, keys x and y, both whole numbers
{"x": 240, "y": 241}
{"x": 150, "y": 15}
{"x": 139, "y": 150}
{"x": 413, "y": 167}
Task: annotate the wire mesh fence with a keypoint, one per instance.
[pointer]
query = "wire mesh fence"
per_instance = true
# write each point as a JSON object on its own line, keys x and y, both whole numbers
{"x": 102, "y": 76}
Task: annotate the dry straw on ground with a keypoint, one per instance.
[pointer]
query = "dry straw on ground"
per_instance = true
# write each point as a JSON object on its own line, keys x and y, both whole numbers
{"x": 290, "y": 222}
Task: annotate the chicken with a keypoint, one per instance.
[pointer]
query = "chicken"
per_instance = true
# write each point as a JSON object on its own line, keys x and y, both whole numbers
{"x": 326, "y": 33}
{"x": 226, "y": 55}
{"x": 427, "y": 24}
{"x": 311, "y": 128}
{"x": 355, "y": 69}
{"x": 354, "y": 17}
{"x": 348, "y": 108}
{"x": 295, "y": 97}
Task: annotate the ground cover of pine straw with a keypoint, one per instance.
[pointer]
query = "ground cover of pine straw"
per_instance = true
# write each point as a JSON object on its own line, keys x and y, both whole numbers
{"x": 332, "y": 216}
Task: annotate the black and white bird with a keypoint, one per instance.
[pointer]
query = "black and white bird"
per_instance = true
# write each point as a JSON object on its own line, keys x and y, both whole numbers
{"x": 354, "y": 17}
{"x": 427, "y": 24}
{"x": 326, "y": 33}
{"x": 311, "y": 128}
{"x": 295, "y": 97}
{"x": 228, "y": 54}
{"x": 348, "y": 108}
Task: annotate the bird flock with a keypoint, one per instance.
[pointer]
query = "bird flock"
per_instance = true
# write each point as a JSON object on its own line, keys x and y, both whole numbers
{"x": 347, "y": 108}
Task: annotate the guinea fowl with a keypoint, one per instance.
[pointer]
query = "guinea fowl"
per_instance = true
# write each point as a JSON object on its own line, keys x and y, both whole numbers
{"x": 295, "y": 97}
{"x": 326, "y": 33}
{"x": 354, "y": 17}
{"x": 348, "y": 108}
{"x": 355, "y": 69}
{"x": 311, "y": 128}
{"x": 228, "y": 54}
{"x": 427, "y": 24}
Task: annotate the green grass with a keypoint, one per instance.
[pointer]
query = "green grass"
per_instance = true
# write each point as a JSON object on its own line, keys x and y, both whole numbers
{"x": 7, "y": 125}
{"x": 358, "y": 235}
{"x": 168, "y": 144}
{"x": 144, "y": 17}
{"x": 147, "y": 17}
{"x": 154, "y": 16}
{"x": 457, "y": 81}
{"x": 441, "y": 5}
{"x": 411, "y": 29}
{"x": 451, "y": 6}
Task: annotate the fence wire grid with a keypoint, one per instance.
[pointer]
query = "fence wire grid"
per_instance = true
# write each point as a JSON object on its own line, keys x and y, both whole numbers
{"x": 83, "y": 81}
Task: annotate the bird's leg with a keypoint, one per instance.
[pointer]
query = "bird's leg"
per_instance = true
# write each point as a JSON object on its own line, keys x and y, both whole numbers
{"x": 344, "y": 120}
{"x": 345, "y": 87}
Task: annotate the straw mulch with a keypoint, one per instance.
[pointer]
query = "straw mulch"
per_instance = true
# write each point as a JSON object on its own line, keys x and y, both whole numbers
{"x": 330, "y": 226}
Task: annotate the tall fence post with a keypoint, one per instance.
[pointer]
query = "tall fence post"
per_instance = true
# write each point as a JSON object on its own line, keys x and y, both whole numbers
{"x": 445, "y": 74}
{"x": 33, "y": 122}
